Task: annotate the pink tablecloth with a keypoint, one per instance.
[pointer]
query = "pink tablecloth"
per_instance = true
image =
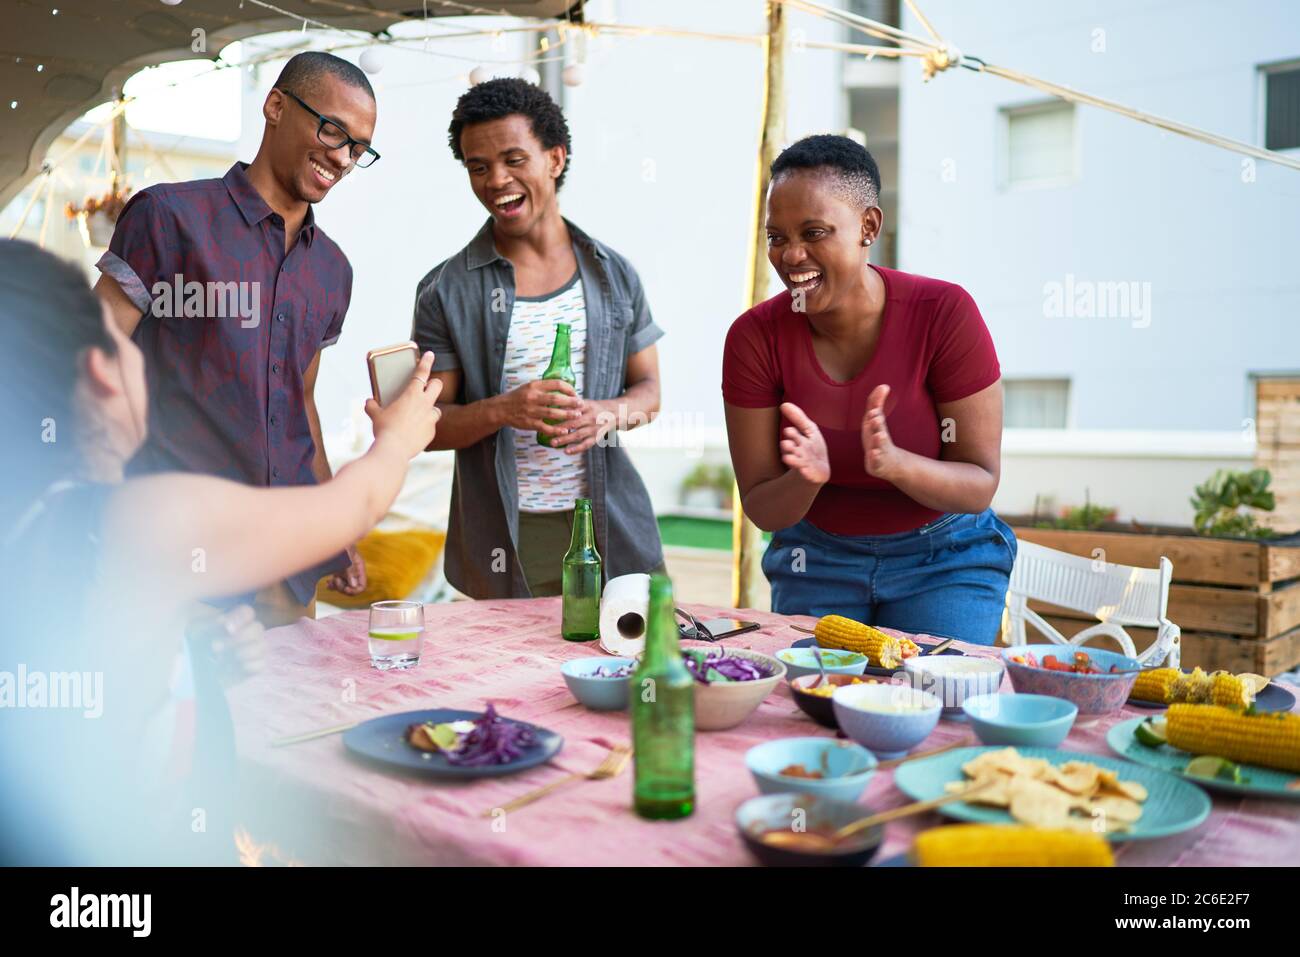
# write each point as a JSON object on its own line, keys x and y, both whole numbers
{"x": 320, "y": 806}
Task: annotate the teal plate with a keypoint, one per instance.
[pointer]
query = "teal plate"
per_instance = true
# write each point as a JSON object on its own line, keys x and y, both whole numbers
{"x": 1172, "y": 805}
{"x": 1261, "y": 783}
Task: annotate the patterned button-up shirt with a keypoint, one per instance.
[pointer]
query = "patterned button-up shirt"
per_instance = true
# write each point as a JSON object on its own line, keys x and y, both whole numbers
{"x": 231, "y": 325}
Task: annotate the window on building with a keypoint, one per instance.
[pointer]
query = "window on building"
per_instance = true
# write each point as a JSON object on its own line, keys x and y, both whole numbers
{"x": 1039, "y": 144}
{"x": 1035, "y": 403}
{"x": 1282, "y": 107}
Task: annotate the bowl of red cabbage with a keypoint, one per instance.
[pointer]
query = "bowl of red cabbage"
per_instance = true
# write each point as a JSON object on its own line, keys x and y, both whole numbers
{"x": 600, "y": 683}
{"x": 730, "y": 683}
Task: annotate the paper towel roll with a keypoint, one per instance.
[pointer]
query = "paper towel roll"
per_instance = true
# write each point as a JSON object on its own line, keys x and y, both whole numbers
{"x": 623, "y": 608}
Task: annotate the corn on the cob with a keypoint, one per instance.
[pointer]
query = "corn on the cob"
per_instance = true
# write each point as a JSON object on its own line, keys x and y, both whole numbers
{"x": 1267, "y": 740}
{"x": 1229, "y": 691}
{"x": 1155, "y": 685}
{"x": 995, "y": 845}
{"x": 836, "y": 631}
{"x": 1167, "y": 685}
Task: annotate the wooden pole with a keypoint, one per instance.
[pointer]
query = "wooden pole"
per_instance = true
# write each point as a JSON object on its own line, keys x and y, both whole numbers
{"x": 117, "y": 145}
{"x": 746, "y": 538}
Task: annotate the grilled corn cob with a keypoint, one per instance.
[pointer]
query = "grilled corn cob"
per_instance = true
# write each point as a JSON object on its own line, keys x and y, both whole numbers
{"x": 836, "y": 631}
{"x": 1167, "y": 685}
{"x": 995, "y": 845}
{"x": 1267, "y": 740}
{"x": 1155, "y": 685}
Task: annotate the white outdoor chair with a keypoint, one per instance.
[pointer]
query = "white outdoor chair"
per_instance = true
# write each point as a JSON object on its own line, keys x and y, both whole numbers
{"x": 1117, "y": 595}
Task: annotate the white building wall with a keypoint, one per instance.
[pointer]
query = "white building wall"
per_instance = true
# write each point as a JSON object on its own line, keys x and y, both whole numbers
{"x": 1218, "y": 249}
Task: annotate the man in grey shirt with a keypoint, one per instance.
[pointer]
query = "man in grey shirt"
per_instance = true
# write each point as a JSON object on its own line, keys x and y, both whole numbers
{"x": 489, "y": 314}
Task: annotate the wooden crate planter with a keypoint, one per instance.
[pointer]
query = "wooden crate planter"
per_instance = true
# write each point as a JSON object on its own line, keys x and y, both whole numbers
{"x": 1237, "y": 602}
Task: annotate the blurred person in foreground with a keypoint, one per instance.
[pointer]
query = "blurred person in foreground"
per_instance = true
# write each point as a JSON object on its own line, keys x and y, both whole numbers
{"x": 102, "y": 571}
{"x": 864, "y": 414}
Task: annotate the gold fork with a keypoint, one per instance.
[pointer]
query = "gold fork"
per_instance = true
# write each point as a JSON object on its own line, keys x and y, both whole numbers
{"x": 612, "y": 766}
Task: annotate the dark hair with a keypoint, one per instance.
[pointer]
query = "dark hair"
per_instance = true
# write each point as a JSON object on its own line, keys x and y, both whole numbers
{"x": 48, "y": 317}
{"x": 853, "y": 168}
{"x": 508, "y": 96}
{"x": 304, "y": 71}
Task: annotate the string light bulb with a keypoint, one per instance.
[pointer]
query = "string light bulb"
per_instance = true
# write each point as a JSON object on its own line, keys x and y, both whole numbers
{"x": 529, "y": 75}
{"x": 573, "y": 74}
{"x": 480, "y": 74}
{"x": 372, "y": 60}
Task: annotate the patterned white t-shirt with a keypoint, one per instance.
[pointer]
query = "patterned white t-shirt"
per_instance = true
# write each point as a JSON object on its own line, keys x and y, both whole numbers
{"x": 549, "y": 479}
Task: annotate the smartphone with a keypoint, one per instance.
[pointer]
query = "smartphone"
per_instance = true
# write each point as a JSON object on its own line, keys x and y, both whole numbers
{"x": 391, "y": 369}
{"x": 721, "y": 628}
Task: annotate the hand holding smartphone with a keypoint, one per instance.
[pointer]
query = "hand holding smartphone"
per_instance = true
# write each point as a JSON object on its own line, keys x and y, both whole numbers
{"x": 391, "y": 369}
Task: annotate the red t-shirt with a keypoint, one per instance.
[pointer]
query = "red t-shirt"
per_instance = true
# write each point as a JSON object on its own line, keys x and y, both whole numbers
{"x": 933, "y": 347}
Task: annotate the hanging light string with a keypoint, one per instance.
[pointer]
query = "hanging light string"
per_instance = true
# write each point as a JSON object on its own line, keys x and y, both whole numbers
{"x": 938, "y": 56}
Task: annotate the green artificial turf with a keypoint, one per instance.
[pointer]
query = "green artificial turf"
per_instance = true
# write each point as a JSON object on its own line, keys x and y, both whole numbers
{"x": 683, "y": 531}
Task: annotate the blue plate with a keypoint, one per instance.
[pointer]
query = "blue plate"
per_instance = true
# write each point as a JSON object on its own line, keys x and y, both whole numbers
{"x": 884, "y": 672}
{"x": 1172, "y": 805}
{"x": 383, "y": 740}
{"x": 1271, "y": 700}
{"x": 1260, "y": 783}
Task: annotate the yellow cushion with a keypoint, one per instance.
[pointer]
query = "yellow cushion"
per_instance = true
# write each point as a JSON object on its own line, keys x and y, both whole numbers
{"x": 396, "y": 562}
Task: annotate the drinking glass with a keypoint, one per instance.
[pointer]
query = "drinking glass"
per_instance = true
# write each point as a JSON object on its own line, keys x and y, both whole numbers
{"x": 396, "y": 633}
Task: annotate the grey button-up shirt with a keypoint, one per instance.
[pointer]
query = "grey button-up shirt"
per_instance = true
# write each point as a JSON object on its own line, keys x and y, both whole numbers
{"x": 462, "y": 313}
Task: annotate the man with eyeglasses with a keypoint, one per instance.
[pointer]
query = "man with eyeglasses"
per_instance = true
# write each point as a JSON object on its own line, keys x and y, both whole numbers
{"x": 231, "y": 291}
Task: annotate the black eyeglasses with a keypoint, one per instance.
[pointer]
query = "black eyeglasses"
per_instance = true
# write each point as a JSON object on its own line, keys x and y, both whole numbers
{"x": 335, "y": 136}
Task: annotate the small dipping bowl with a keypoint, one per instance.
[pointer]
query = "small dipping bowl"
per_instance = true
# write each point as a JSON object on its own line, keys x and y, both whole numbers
{"x": 800, "y": 662}
{"x": 847, "y": 766}
{"x": 1023, "y": 720}
{"x": 597, "y": 693}
{"x": 888, "y": 720}
{"x": 819, "y": 707}
{"x": 777, "y": 812}
{"x": 954, "y": 678}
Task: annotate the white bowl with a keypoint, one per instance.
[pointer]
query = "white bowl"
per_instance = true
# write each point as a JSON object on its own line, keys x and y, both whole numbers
{"x": 954, "y": 678}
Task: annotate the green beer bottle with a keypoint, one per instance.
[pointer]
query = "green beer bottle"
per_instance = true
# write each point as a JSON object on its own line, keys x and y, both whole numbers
{"x": 662, "y": 701}
{"x": 580, "y": 620}
{"x": 560, "y": 368}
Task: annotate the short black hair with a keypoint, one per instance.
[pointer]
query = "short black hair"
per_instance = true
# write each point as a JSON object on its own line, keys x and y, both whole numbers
{"x": 48, "y": 317}
{"x": 507, "y": 96}
{"x": 847, "y": 161}
{"x": 305, "y": 70}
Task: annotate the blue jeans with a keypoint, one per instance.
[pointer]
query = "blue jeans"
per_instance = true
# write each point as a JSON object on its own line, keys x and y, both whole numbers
{"x": 947, "y": 578}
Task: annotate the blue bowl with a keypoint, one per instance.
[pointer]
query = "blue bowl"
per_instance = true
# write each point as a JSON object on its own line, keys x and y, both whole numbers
{"x": 888, "y": 719}
{"x": 800, "y": 661}
{"x": 597, "y": 693}
{"x": 1093, "y": 694}
{"x": 775, "y": 812}
{"x": 1024, "y": 720}
{"x": 848, "y": 765}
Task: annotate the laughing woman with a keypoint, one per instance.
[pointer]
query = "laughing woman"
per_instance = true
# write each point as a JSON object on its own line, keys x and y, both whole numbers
{"x": 864, "y": 414}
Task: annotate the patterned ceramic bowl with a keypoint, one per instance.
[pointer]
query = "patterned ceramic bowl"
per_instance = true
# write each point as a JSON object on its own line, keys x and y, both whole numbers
{"x": 1093, "y": 694}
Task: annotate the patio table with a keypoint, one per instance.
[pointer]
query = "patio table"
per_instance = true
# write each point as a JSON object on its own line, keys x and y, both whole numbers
{"x": 321, "y": 806}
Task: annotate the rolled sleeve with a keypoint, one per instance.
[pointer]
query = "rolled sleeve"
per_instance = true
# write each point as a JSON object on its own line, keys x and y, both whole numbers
{"x": 430, "y": 330}
{"x": 335, "y": 329}
{"x": 141, "y": 251}
{"x": 644, "y": 332}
